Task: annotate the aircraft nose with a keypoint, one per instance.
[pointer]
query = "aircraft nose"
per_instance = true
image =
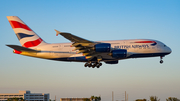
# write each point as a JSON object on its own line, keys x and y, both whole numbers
{"x": 169, "y": 50}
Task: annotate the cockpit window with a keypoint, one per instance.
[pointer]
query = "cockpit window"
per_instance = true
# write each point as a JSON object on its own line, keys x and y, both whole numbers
{"x": 164, "y": 45}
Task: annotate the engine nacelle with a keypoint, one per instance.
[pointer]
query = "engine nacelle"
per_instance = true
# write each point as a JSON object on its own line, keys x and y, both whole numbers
{"x": 102, "y": 47}
{"x": 112, "y": 62}
{"x": 119, "y": 53}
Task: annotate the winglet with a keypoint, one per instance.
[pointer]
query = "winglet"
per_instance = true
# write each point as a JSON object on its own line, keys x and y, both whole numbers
{"x": 57, "y": 32}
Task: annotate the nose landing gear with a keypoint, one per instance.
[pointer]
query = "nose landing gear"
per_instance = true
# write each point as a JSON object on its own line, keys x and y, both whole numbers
{"x": 161, "y": 61}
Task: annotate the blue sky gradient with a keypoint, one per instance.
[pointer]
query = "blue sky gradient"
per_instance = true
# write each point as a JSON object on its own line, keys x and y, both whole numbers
{"x": 93, "y": 20}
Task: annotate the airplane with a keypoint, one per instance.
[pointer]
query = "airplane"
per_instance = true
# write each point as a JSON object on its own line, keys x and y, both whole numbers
{"x": 92, "y": 53}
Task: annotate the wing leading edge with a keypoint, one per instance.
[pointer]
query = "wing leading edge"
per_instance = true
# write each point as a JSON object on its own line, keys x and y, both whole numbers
{"x": 73, "y": 38}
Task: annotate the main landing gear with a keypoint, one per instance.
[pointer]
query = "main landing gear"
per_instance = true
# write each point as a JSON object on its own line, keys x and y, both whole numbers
{"x": 161, "y": 61}
{"x": 90, "y": 64}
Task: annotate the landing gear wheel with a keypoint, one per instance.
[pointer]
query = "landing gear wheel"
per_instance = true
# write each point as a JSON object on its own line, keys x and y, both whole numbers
{"x": 94, "y": 65}
{"x": 100, "y": 64}
{"x": 86, "y": 64}
{"x": 161, "y": 61}
{"x": 90, "y": 65}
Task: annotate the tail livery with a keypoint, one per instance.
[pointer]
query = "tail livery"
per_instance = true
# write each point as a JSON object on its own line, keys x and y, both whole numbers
{"x": 27, "y": 37}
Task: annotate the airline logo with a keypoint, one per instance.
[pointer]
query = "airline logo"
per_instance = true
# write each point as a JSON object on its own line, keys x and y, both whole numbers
{"x": 22, "y": 35}
{"x": 145, "y": 45}
{"x": 33, "y": 43}
{"x": 153, "y": 43}
{"x": 16, "y": 24}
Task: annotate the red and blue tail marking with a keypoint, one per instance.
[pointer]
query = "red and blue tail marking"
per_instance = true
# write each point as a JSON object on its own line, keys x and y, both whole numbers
{"x": 26, "y": 36}
{"x": 16, "y": 24}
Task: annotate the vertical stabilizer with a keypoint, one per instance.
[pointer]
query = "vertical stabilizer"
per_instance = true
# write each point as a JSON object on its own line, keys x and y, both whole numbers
{"x": 27, "y": 37}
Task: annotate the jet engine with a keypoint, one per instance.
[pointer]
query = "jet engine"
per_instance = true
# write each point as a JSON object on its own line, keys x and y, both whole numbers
{"x": 119, "y": 53}
{"x": 102, "y": 47}
{"x": 112, "y": 62}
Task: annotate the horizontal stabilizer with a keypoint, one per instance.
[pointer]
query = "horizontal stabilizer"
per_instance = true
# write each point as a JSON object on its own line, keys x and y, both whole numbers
{"x": 20, "y": 48}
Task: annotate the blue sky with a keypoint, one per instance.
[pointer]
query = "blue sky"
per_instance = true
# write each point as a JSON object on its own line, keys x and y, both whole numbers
{"x": 93, "y": 20}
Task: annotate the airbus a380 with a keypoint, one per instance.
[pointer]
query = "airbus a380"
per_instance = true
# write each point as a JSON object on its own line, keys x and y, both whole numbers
{"x": 82, "y": 50}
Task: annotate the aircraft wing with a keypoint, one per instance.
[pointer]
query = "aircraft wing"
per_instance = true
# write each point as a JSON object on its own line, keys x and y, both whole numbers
{"x": 73, "y": 38}
{"x": 84, "y": 46}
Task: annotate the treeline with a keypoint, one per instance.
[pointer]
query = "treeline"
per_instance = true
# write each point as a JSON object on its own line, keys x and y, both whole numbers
{"x": 15, "y": 99}
{"x": 98, "y": 98}
{"x": 155, "y": 98}
{"x": 93, "y": 98}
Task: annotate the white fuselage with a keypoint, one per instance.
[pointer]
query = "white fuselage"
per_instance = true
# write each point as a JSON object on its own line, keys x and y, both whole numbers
{"x": 64, "y": 51}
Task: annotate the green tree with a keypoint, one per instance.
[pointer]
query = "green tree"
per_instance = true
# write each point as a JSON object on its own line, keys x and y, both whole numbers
{"x": 8, "y": 99}
{"x": 141, "y": 100}
{"x": 21, "y": 99}
{"x": 15, "y": 99}
{"x": 92, "y": 98}
{"x": 86, "y": 99}
{"x": 99, "y": 98}
{"x": 154, "y": 98}
{"x": 172, "y": 99}
{"x": 95, "y": 98}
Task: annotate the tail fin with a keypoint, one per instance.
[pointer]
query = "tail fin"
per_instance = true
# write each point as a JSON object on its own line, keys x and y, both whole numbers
{"x": 27, "y": 37}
